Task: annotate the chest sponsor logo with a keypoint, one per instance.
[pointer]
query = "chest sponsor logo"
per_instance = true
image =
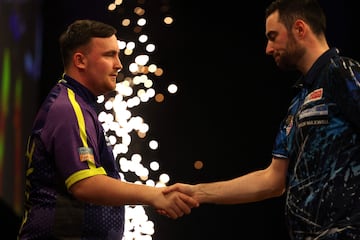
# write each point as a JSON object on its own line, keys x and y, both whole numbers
{"x": 316, "y": 115}
{"x": 315, "y": 111}
{"x": 314, "y": 96}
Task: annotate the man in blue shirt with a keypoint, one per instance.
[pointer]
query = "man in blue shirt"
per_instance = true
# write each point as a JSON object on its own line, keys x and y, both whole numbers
{"x": 316, "y": 154}
{"x": 73, "y": 187}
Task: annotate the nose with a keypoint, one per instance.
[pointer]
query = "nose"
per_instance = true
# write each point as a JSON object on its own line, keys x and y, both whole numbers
{"x": 269, "y": 49}
{"x": 118, "y": 64}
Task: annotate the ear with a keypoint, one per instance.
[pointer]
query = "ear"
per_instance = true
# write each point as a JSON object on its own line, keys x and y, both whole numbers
{"x": 79, "y": 60}
{"x": 299, "y": 28}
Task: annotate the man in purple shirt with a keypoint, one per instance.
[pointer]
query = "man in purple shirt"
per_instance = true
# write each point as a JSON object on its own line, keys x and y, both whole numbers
{"x": 73, "y": 187}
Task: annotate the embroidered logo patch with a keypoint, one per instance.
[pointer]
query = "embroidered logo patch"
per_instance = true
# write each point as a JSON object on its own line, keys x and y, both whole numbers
{"x": 315, "y": 111}
{"x": 86, "y": 154}
{"x": 314, "y": 96}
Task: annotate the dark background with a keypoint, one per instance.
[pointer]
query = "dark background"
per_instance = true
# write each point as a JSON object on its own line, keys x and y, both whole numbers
{"x": 230, "y": 101}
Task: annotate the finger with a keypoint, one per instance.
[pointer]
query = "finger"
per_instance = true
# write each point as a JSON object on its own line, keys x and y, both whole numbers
{"x": 172, "y": 213}
{"x": 190, "y": 201}
{"x": 182, "y": 207}
{"x": 169, "y": 189}
{"x": 163, "y": 212}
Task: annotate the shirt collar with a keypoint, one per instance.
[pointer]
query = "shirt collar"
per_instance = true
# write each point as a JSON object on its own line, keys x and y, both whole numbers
{"x": 308, "y": 79}
{"x": 78, "y": 88}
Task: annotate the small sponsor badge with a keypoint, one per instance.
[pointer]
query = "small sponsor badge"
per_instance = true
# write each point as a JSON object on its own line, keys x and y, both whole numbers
{"x": 314, "y": 96}
{"x": 86, "y": 154}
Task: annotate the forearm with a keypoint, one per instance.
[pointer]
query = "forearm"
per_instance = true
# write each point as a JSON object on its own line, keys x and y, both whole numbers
{"x": 104, "y": 190}
{"x": 109, "y": 191}
{"x": 252, "y": 187}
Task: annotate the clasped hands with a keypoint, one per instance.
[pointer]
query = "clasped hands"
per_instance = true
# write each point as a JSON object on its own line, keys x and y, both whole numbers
{"x": 180, "y": 199}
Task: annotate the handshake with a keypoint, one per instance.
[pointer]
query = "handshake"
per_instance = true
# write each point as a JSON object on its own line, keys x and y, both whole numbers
{"x": 177, "y": 200}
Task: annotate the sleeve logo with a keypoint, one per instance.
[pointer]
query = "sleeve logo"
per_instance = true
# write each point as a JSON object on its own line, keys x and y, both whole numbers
{"x": 86, "y": 154}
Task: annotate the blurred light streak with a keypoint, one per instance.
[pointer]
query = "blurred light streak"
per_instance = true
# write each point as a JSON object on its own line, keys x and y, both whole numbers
{"x": 136, "y": 85}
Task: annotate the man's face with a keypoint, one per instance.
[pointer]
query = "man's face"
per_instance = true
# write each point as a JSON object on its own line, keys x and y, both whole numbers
{"x": 281, "y": 44}
{"x": 102, "y": 65}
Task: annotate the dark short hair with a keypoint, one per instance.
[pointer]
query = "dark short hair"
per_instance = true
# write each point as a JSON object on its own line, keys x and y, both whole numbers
{"x": 308, "y": 10}
{"x": 79, "y": 33}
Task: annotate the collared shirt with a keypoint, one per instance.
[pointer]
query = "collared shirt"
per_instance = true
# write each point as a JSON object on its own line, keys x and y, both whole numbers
{"x": 321, "y": 137}
{"x": 67, "y": 144}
